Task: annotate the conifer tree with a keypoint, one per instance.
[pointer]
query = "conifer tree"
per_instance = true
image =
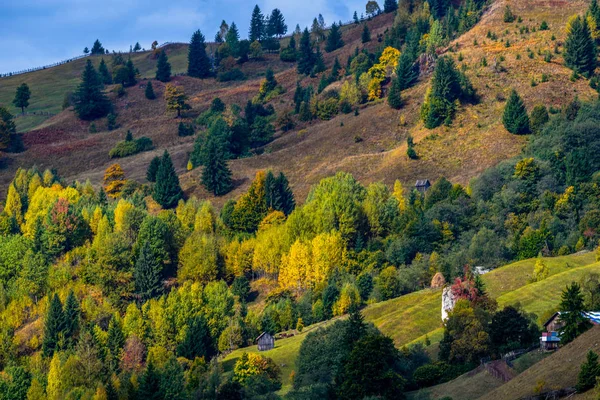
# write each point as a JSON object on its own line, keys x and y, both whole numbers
{"x": 334, "y": 39}
{"x": 22, "y": 97}
{"x": 306, "y": 57}
{"x": 319, "y": 62}
{"x": 197, "y": 341}
{"x": 167, "y": 191}
{"x": 153, "y": 169}
{"x": 198, "y": 61}
{"x": 335, "y": 70}
{"x": 176, "y": 99}
{"x": 580, "y": 51}
{"x": 105, "y": 75}
{"x": 114, "y": 345}
{"x": 515, "y": 118}
{"x": 278, "y": 195}
{"x": 216, "y": 176}
{"x": 90, "y": 101}
{"x": 594, "y": 11}
{"x": 233, "y": 39}
{"x": 257, "y": 25}
{"x": 53, "y": 327}
{"x": 407, "y": 72}
{"x": 149, "y": 92}
{"x": 439, "y": 105}
{"x": 71, "y": 317}
{"x": 366, "y": 34}
{"x": 163, "y": 67}
{"x": 394, "y": 96}
{"x": 276, "y": 25}
{"x": 390, "y": 6}
{"x": 590, "y": 369}
{"x": 147, "y": 274}
{"x": 149, "y": 384}
{"x": 572, "y": 308}
{"x": 131, "y": 74}
{"x": 97, "y": 48}
{"x": 7, "y": 128}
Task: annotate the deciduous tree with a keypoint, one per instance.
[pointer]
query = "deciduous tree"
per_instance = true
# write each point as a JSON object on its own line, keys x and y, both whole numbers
{"x": 22, "y": 97}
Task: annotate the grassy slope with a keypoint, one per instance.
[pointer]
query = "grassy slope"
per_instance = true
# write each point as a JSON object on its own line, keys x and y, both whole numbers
{"x": 559, "y": 370}
{"x": 409, "y": 318}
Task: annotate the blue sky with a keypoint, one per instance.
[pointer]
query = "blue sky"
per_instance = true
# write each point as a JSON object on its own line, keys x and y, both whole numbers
{"x": 40, "y": 32}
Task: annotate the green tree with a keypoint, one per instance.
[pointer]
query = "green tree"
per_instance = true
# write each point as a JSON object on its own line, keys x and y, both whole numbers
{"x": 197, "y": 341}
{"x": 539, "y": 117}
{"x": 149, "y": 384}
{"x": 90, "y": 101}
{"x": 149, "y": 92}
{"x": 7, "y": 128}
{"x": 153, "y": 169}
{"x": 232, "y": 38}
{"x": 114, "y": 345}
{"x": 394, "y": 96}
{"x": 572, "y": 308}
{"x": 53, "y": 327}
{"x": 71, "y": 317}
{"x": 216, "y": 176}
{"x": 257, "y": 25}
{"x": 97, "y": 48}
{"x": 407, "y": 72}
{"x": 147, "y": 274}
{"x": 366, "y": 34}
{"x": 276, "y": 25}
{"x": 278, "y": 195}
{"x": 590, "y": 369}
{"x": 105, "y": 75}
{"x": 163, "y": 67}
{"x": 172, "y": 383}
{"x": 390, "y": 6}
{"x": 334, "y": 39}
{"x": 515, "y": 118}
{"x": 440, "y": 103}
{"x": 22, "y": 97}
{"x": 580, "y": 51}
{"x": 306, "y": 56}
{"x": 167, "y": 191}
{"x": 198, "y": 61}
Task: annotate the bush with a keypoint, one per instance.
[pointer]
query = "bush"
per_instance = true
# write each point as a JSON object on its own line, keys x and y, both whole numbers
{"x": 327, "y": 109}
{"x": 235, "y": 74}
{"x": 429, "y": 374}
{"x": 128, "y": 148}
{"x": 288, "y": 55}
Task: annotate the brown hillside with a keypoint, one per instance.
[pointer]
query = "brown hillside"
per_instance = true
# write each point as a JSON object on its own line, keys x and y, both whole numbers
{"x": 475, "y": 141}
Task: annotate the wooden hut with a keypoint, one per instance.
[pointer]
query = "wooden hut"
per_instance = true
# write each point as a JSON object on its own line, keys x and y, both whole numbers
{"x": 265, "y": 342}
{"x": 422, "y": 185}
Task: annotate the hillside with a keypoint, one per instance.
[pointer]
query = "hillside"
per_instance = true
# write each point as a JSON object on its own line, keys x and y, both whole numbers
{"x": 312, "y": 151}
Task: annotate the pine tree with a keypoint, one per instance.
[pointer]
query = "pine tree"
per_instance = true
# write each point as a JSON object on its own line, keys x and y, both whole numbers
{"x": 114, "y": 345}
{"x": 515, "y": 116}
{"x": 216, "y": 176}
{"x": 390, "y": 6}
{"x": 172, "y": 384}
{"x": 257, "y": 25}
{"x": 198, "y": 62}
{"x": 163, "y": 68}
{"x": 276, "y": 25}
{"x": 306, "y": 57}
{"x": 153, "y": 169}
{"x": 580, "y": 51}
{"x": 149, "y": 93}
{"x": 594, "y": 11}
{"x": 105, "y": 75}
{"x": 149, "y": 384}
{"x": 285, "y": 201}
{"x": 590, "y": 369}
{"x": 90, "y": 101}
{"x": 147, "y": 274}
{"x": 335, "y": 70}
{"x": 7, "y": 128}
{"x": 334, "y": 39}
{"x": 439, "y": 105}
{"x": 572, "y": 308}
{"x": 22, "y": 97}
{"x": 97, "y": 48}
{"x": 319, "y": 62}
{"x": 407, "y": 72}
{"x": 53, "y": 327}
{"x": 394, "y": 96}
{"x": 197, "y": 341}
{"x": 167, "y": 191}
{"x": 71, "y": 317}
{"x": 366, "y": 34}
{"x": 233, "y": 39}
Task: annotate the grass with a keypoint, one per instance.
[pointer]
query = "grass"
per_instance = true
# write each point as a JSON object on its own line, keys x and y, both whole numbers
{"x": 466, "y": 387}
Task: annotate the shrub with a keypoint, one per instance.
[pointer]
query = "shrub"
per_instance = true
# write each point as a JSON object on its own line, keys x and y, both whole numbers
{"x": 288, "y": 55}
{"x": 327, "y": 109}
{"x": 235, "y": 74}
{"x": 128, "y": 148}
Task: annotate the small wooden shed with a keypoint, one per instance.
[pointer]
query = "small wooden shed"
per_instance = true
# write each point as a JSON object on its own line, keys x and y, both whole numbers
{"x": 422, "y": 185}
{"x": 265, "y": 341}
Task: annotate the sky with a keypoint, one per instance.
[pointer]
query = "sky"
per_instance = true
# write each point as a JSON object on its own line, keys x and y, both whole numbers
{"x": 40, "y": 32}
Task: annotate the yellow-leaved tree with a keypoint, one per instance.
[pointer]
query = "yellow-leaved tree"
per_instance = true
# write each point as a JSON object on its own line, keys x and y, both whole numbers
{"x": 294, "y": 266}
{"x": 540, "y": 271}
{"x": 14, "y": 205}
{"x": 399, "y": 195}
{"x": 114, "y": 179}
{"x": 349, "y": 297}
{"x": 199, "y": 258}
{"x": 54, "y": 387}
{"x": 176, "y": 99}
{"x": 328, "y": 254}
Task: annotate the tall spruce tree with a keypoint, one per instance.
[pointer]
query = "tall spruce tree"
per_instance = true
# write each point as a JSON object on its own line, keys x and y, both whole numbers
{"x": 53, "y": 327}
{"x": 278, "y": 195}
{"x": 366, "y": 34}
{"x": 216, "y": 176}
{"x": 198, "y": 62}
{"x": 580, "y": 51}
{"x": 572, "y": 306}
{"x": 334, "y": 39}
{"x": 515, "y": 118}
{"x": 306, "y": 57}
{"x": 233, "y": 40}
{"x": 149, "y": 92}
{"x": 257, "y": 25}
{"x": 197, "y": 341}
{"x": 588, "y": 372}
{"x": 71, "y": 317}
{"x": 153, "y": 169}
{"x": 114, "y": 345}
{"x": 276, "y": 25}
{"x": 407, "y": 71}
{"x": 97, "y": 48}
{"x": 90, "y": 101}
{"x": 390, "y": 6}
{"x": 167, "y": 191}
{"x": 163, "y": 68}
{"x": 394, "y": 96}
{"x": 149, "y": 384}
{"x": 439, "y": 105}
{"x": 22, "y": 97}
{"x": 105, "y": 75}
{"x": 147, "y": 274}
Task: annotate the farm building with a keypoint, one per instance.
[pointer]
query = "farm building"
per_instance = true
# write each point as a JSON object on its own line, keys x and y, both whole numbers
{"x": 422, "y": 185}
{"x": 265, "y": 342}
{"x": 550, "y": 339}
